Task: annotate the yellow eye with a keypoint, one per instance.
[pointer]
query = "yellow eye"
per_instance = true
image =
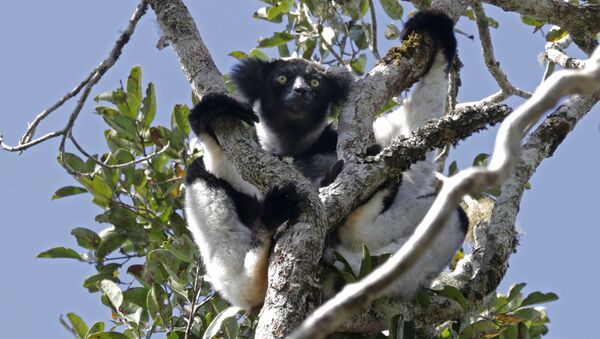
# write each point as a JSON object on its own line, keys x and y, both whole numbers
{"x": 314, "y": 83}
{"x": 282, "y": 79}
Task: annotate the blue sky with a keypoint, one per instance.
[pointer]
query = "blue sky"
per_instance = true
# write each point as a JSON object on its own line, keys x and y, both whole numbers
{"x": 49, "y": 47}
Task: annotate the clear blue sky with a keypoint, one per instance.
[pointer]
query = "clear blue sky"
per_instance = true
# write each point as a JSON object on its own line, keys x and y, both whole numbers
{"x": 50, "y": 46}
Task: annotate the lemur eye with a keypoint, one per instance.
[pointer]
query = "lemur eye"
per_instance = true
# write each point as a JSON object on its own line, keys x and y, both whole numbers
{"x": 314, "y": 83}
{"x": 282, "y": 79}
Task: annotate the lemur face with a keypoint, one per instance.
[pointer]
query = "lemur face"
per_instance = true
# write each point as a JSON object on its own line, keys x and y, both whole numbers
{"x": 296, "y": 91}
{"x": 291, "y": 91}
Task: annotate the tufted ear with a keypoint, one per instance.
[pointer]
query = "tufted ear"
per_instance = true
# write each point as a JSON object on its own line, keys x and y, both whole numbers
{"x": 340, "y": 80}
{"x": 249, "y": 76}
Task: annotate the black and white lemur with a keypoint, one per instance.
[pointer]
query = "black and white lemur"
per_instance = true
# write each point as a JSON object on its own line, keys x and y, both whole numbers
{"x": 233, "y": 222}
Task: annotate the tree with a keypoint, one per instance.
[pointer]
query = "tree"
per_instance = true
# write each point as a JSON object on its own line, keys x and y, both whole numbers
{"x": 146, "y": 220}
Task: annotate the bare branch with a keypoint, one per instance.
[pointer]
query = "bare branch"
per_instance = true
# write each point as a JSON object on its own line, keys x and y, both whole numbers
{"x": 117, "y": 166}
{"x": 87, "y": 84}
{"x": 488, "y": 54}
{"x": 373, "y": 38}
{"x": 563, "y": 60}
{"x": 504, "y": 159}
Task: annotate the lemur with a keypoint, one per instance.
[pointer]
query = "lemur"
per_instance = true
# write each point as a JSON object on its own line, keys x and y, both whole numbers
{"x": 389, "y": 217}
{"x": 233, "y": 222}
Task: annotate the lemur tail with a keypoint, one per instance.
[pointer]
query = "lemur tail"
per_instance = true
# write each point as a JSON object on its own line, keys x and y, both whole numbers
{"x": 441, "y": 29}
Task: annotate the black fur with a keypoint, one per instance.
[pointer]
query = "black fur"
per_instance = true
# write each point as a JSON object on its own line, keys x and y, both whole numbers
{"x": 389, "y": 199}
{"x": 439, "y": 26}
{"x": 326, "y": 143}
{"x": 285, "y": 110}
{"x": 215, "y": 105}
{"x": 332, "y": 173}
{"x": 281, "y": 204}
{"x": 464, "y": 219}
{"x": 247, "y": 207}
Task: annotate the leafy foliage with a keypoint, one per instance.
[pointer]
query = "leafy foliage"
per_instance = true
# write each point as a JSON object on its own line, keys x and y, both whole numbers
{"x": 145, "y": 261}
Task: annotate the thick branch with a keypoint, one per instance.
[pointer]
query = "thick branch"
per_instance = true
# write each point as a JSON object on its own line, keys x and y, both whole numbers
{"x": 356, "y": 183}
{"x": 582, "y": 20}
{"x": 401, "y": 67}
{"x": 294, "y": 266}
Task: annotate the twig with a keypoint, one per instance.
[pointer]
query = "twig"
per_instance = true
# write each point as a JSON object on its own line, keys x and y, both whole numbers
{"x": 117, "y": 166}
{"x": 26, "y": 140}
{"x": 504, "y": 159}
{"x": 488, "y": 54}
{"x": 104, "y": 66}
{"x": 563, "y": 60}
{"x": 196, "y": 294}
{"x": 373, "y": 40}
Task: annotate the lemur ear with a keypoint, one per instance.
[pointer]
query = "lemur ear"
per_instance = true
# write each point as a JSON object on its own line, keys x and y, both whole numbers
{"x": 340, "y": 80}
{"x": 249, "y": 77}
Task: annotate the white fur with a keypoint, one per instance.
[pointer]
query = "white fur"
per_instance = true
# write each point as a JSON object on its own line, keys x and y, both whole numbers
{"x": 216, "y": 162}
{"x": 225, "y": 244}
{"x": 233, "y": 264}
{"x": 386, "y": 232}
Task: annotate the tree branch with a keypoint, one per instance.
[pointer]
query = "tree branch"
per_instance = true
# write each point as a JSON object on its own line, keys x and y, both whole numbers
{"x": 582, "y": 20}
{"x": 488, "y": 54}
{"x": 504, "y": 159}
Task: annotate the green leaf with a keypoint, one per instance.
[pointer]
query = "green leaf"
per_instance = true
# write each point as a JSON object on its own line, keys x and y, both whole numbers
{"x": 215, "y": 325}
{"x": 392, "y": 8}
{"x": 111, "y": 240}
{"x": 134, "y": 91}
{"x": 481, "y": 160}
{"x": 529, "y": 314}
{"x": 278, "y": 38}
{"x": 452, "y": 169}
{"x": 266, "y": 13}
{"x": 86, "y": 238}
{"x": 169, "y": 262}
{"x": 75, "y": 163}
{"x": 284, "y": 51}
{"x": 179, "y": 119}
{"x": 238, "y": 55}
{"x": 100, "y": 190}
{"x": 555, "y": 34}
{"x": 60, "y": 252}
{"x": 454, "y": 293}
{"x": 108, "y": 335}
{"x": 358, "y": 34}
{"x": 149, "y": 107}
{"x": 481, "y": 329}
{"x": 123, "y": 124}
{"x": 68, "y": 191}
{"x": 539, "y": 298}
{"x": 96, "y": 328}
{"x": 531, "y": 21}
{"x": 365, "y": 263}
{"x": 515, "y": 291}
{"x": 79, "y": 325}
{"x": 257, "y": 53}
{"x": 391, "y": 32}
{"x": 113, "y": 292}
{"x": 358, "y": 64}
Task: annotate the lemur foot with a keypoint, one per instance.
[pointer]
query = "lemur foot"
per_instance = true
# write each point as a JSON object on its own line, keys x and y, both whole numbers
{"x": 282, "y": 204}
{"x": 332, "y": 173}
